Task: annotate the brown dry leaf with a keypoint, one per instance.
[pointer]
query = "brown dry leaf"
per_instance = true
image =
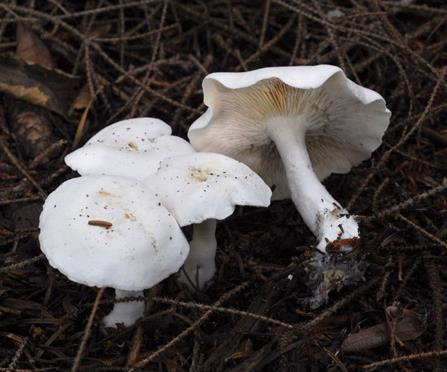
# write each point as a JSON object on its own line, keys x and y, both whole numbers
{"x": 31, "y": 49}
{"x": 368, "y": 338}
{"x": 82, "y": 100}
{"x": 31, "y": 128}
{"x": 408, "y": 326}
{"x": 37, "y": 85}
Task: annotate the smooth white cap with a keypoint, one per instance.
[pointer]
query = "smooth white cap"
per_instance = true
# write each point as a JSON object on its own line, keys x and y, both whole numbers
{"x": 206, "y": 185}
{"x": 129, "y": 148}
{"x": 143, "y": 245}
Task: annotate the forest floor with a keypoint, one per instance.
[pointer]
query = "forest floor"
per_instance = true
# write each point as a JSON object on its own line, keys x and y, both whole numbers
{"x": 89, "y": 64}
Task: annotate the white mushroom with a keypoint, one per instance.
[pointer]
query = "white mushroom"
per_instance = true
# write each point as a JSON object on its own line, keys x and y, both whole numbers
{"x": 130, "y": 148}
{"x": 111, "y": 232}
{"x": 200, "y": 188}
{"x": 294, "y": 126}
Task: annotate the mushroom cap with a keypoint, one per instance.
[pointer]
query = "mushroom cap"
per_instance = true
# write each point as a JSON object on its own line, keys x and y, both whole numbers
{"x": 129, "y": 148}
{"x": 205, "y": 185}
{"x": 143, "y": 246}
{"x": 345, "y": 122}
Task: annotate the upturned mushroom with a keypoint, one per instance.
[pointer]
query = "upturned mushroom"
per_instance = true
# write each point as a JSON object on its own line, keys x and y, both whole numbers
{"x": 130, "y": 148}
{"x": 295, "y": 126}
{"x": 113, "y": 232}
{"x": 199, "y": 189}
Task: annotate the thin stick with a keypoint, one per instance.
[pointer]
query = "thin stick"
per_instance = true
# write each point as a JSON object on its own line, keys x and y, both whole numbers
{"x": 87, "y": 331}
{"x": 20, "y": 200}
{"x": 264, "y": 23}
{"x": 412, "y": 201}
{"x": 12, "y": 365}
{"x": 107, "y": 9}
{"x": 22, "y": 264}
{"x": 227, "y": 310}
{"x": 424, "y": 232}
{"x": 407, "y": 358}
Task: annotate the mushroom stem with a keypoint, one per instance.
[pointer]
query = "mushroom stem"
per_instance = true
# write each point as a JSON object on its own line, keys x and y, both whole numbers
{"x": 126, "y": 313}
{"x": 320, "y": 211}
{"x": 200, "y": 264}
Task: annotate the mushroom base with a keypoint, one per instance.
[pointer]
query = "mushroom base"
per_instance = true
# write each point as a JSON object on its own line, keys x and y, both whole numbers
{"x": 339, "y": 232}
{"x": 126, "y": 313}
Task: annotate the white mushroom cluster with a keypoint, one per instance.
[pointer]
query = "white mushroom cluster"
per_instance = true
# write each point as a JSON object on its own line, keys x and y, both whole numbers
{"x": 119, "y": 224}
